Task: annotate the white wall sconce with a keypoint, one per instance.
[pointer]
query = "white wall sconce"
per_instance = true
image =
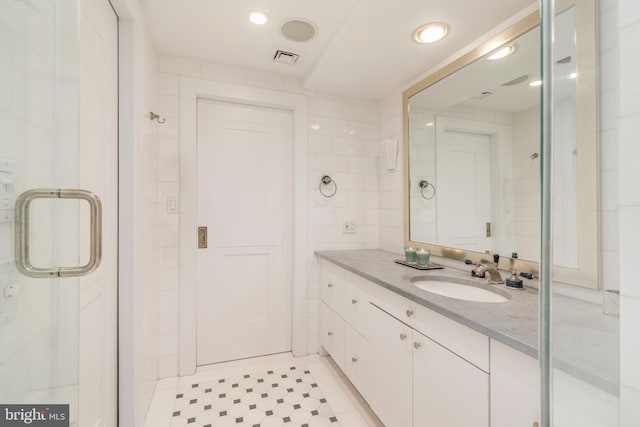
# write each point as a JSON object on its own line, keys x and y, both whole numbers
{"x": 390, "y": 151}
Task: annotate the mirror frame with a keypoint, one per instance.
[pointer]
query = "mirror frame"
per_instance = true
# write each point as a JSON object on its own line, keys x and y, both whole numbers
{"x": 587, "y": 273}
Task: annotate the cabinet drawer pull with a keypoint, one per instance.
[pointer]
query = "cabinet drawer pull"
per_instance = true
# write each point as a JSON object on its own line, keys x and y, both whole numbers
{"x": 329, "y": 333}
{"x": 330, "y": 285}
{"x": 417, "y": 345}
{"x": 354, "y": 359}
{"x": 403, "y": 337}
{"x": 354, "y": 301}
{"x": 409, "y": 313}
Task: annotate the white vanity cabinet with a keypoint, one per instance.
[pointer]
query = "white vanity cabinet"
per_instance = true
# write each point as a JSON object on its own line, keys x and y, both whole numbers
{"x": 416, "y": 367}
{"x": 331, "y": 326}
{"x": 416, "y": 381}
{"x": 343, "y": 323}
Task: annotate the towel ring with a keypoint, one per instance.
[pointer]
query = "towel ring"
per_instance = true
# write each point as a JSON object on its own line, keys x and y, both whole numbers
{"x": 326, "y": 180}
{"x": 424, "y": 186}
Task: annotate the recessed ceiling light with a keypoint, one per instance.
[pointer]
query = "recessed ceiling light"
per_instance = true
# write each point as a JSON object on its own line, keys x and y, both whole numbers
{"x": 431, "y": 33}
{"x": 502, "y": 52}
{"x": 573, "y": 75}
{"x": 429, "y": 124}
{"x": 536, "y": 83}
{"x": 258, "y": 18}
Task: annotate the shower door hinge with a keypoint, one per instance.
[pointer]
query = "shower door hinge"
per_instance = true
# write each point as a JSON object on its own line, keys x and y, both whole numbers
{"x": 202, "y": 237}
{"x": 488, "y": 229}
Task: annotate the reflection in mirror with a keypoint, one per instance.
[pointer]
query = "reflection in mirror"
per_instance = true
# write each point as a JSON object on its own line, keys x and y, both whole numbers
{"x": 473, "y": 136}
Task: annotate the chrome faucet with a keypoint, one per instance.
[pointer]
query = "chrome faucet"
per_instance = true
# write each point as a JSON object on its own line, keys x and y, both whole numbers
{"x": 485, "y": 267}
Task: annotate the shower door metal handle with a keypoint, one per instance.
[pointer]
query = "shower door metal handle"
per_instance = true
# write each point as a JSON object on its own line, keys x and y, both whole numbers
{"x": 23, "y": 258}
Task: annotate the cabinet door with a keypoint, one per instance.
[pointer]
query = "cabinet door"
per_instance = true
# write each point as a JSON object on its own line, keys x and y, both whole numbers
{"x": 447, "y": 390}
{"x": 332, "y": 334}
{"x": 331, "y": 286}
{"x": 357, "y": 354}
{"x": 390, "y": 365}
{"x": 356, "y": 308}
{"x": 514, "y": 388}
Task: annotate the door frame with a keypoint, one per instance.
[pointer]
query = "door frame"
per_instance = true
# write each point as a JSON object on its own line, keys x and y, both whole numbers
{"x": 190, "y": 90}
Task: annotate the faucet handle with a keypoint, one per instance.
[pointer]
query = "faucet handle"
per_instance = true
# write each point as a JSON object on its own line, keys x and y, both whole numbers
{"x": 479, "y": 271}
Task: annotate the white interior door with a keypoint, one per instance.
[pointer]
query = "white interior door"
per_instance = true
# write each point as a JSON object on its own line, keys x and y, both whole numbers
{"x": 463, "y": 189}
{"x": 244, "y": 200}
{"x": 98, "y": 154}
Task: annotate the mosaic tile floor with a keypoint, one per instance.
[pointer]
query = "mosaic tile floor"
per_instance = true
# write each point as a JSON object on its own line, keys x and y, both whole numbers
{"x": 268, "y": 398}
{"x": 271, "y": 391}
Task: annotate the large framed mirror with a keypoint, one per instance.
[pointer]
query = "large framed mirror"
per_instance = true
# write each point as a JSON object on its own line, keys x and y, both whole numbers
{"x": 472, "y": 151}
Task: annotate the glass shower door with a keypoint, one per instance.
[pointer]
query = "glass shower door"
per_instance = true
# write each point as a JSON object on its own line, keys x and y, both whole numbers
{"x": 581, "y": 326}
{"x": 48, "y": 228}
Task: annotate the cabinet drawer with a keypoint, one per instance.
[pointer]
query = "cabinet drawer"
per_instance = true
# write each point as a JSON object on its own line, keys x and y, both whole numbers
{"x": 331, "y": 286}
{"x": 332, "y": 334}
{"x": 357, "y": 308}
{"x": 356, "y": 359}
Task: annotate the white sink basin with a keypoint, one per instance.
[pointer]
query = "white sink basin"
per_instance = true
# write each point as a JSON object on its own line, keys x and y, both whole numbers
{"x": 459, "y": 291}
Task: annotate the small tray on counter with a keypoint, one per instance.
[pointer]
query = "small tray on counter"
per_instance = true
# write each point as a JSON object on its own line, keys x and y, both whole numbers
{"x": 430, "y": 266}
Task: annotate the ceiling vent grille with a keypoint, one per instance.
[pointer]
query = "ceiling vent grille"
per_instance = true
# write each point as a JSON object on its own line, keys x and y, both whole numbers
{"x": 284, "y": 57}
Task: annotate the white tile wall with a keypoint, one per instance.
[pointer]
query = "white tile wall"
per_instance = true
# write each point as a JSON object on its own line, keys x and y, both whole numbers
{"x": 150, "y": 247}
{"x": 628, "y": 26}
{"x": 343, "y": 138}
{"x": 390, "y": 182}
{"x": 139, "y": 351}
{"x": 524, "y": 198}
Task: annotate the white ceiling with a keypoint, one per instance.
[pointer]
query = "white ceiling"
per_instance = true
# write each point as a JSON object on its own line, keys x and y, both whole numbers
{"x": 466, "y": 85}
{"x": 363, "y": 48}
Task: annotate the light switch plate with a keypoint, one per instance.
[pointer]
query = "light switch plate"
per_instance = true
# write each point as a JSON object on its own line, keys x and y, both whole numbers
{"x": 172, "y": 205}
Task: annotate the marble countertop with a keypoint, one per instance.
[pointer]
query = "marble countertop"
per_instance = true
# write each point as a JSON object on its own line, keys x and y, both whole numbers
{"x": 584, "y": 341}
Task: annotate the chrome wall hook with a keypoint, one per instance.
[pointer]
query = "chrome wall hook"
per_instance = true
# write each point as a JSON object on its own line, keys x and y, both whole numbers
{"x": 156, "y": 117}
{"x": 326, "y": 180}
